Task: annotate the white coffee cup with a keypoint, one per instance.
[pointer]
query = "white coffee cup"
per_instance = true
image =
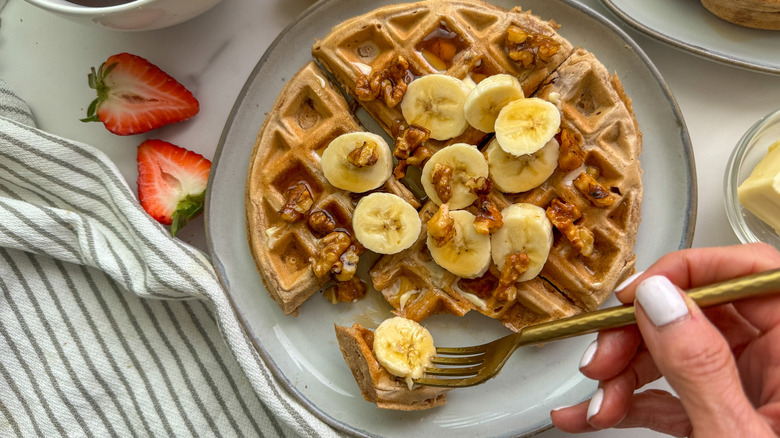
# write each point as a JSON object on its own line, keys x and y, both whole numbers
{"x": 132, "y": 15}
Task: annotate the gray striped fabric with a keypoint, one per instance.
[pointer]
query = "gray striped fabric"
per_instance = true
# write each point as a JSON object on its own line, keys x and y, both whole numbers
{"x": 108, "y": 326}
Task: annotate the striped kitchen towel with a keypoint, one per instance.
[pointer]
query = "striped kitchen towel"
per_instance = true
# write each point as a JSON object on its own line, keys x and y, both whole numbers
{"x": 109, "y": 326}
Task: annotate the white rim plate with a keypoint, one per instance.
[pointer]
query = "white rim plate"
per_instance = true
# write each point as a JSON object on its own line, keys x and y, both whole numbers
{"x": 302, "y": 351}
{"x": 689, "y": 26}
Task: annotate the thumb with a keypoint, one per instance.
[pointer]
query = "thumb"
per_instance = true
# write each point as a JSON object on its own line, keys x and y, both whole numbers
{"x": 694, "y": 357}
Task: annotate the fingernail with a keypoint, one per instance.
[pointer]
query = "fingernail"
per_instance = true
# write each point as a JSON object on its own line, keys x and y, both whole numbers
{"x": 562, "y": 407}
{"x": 660, "y": 300}
{"x": 595, "y": 403}
{"x": 589, "y": 353}
{"x": 628, "y": 281}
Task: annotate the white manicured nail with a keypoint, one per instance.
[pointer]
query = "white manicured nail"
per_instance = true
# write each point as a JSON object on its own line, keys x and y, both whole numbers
{"x": 595, "y": 403}
{"x": 628, "y": 281}
{"x": 589, "y": 353}
{"x": 660, "y": 300}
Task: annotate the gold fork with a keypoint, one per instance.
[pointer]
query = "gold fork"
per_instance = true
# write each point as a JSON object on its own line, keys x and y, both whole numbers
{"x": 469, "y": 366}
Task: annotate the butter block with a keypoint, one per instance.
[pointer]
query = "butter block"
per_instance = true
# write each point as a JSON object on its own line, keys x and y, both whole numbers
{"x": 760, "y": 192}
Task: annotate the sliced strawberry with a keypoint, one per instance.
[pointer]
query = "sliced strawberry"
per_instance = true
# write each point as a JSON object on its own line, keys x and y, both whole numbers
{"x": 171, "y": 182}
{"x": 135, "y": 96}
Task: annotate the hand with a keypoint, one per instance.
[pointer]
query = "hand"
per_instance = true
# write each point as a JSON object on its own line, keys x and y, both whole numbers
{"x": 723, "y": 363}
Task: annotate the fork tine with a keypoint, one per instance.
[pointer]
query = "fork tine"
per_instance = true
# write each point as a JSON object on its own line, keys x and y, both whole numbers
{"x": 453, "y": 383}
{"x": 475, "y": 349}
{"x": 454, "y": 371}
{"x": 458, "y": 360}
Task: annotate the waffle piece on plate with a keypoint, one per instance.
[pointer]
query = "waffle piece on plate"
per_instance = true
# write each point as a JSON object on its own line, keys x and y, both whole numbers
{"x": 601, "y": 191}
{"x": 463, "y": 39}
{"x": 414, "y": 284}
{"x": 376, "y": 384}
{"x": 290, "y": 206}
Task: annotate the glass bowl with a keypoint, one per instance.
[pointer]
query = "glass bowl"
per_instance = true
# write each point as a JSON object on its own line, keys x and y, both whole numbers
{"x": 752, "y": 147}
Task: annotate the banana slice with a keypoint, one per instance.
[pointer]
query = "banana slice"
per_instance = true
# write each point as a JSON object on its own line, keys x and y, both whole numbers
{"x": 524, "y": 126}
{"x": 467, "y": 254}
{"x": 435, "y": 102}
{"x": 513, "y": 174}
{"x": 486, "y": 100}
{"x": 369, "y": 166}
{"x": 526, "y": 230}
{"x": 466, "y": 162}
{"x": 404, "y": 348}
{"x": 385, "y": 223}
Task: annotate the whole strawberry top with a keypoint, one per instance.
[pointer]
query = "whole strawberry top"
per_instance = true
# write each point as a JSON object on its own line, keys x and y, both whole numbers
{"x": 171, "y": 182}
{"x": 135, "y": 96}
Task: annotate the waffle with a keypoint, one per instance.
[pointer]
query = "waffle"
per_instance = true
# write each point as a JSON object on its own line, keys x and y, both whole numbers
{"x": 308, "y": 114}
{"x": 475, "y": 29}
{"x": 319, "y": 103}
{"x": 376, "y": 384}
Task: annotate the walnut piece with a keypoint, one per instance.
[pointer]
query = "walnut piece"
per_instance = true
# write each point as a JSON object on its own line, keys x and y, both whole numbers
{"x": 515, "y": 266}
{"x": 441, "y": 177}
{"x": 529, "y": 49}
{"x": 392, "y": 92}
{"x": 399, "y": 171}
{"x": 489, "y": 219}
{"x": 441, "y": 226}
{"x": 321, "y": 222}
{"x": 331, "y": 247}
{"x": 345, "y": 291}
{"x": 409, "y": 149}
{"x": 390, "y": 82}
{"x": 408, "y": 141}
{"x": 364, "y": 155}
{"x": 562, "y": 215}
{"x": 571, "y": 154}
{"x": 596, "y": 193}
{"x": 481, "y": 186}
{"x": 297, "y": 201}
{"x": 420, "y": 156}
{"x": 367, "y": 87}
{"x": 346, "y": 266}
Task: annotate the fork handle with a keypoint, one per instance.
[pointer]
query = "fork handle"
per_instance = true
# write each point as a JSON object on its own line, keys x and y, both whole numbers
{"x": 764, "y": 283}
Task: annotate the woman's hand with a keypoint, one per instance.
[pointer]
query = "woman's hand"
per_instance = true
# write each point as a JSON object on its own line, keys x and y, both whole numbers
{"x": 723, "y": 363}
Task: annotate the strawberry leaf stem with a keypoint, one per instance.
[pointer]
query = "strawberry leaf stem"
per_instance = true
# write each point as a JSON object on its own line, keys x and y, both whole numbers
{"x": 187, "y": 209}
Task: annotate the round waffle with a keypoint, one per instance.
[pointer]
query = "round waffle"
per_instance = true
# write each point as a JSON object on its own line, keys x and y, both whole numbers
{"x": 467, "y": 40}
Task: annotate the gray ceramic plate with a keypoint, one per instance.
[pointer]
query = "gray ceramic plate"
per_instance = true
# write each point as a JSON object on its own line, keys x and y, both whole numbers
{"x": 302, "y": 351}
{"x": 687, "y": 25}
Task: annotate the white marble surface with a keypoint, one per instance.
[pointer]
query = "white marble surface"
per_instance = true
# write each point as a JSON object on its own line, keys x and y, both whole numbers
{"x": 45, "y": 59}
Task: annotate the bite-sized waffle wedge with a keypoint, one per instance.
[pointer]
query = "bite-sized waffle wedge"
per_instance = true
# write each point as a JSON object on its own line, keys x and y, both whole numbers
{"x": 376, "y": 384}
{"x": 462, "y": 38}
{"x": 306, "y": 116}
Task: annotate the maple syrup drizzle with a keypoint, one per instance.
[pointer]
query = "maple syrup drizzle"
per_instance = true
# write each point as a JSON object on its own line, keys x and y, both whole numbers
{"x": 441, "y": 46}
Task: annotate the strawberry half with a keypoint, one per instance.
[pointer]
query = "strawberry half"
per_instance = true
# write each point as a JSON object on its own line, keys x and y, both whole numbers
{"x": 171, "y": 182}
{"x": 135, "y": 96}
